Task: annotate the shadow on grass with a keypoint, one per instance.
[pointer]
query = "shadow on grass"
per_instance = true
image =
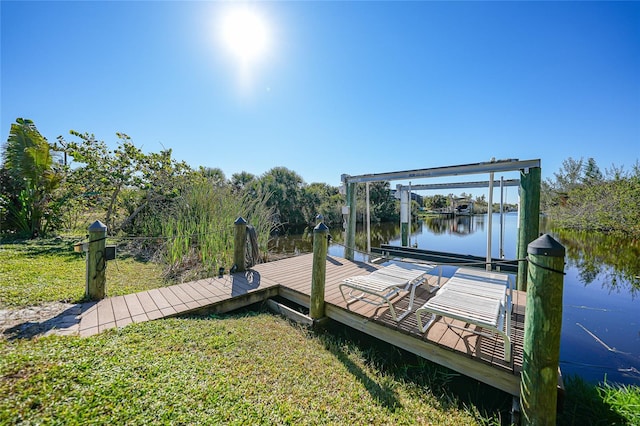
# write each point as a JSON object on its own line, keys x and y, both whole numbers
{"x": 63, "y": 247}
{"x": 66, "y": 319}
{"x": 383, "y": 395}
{"x": 449, "y": 387}
{"x": 54, "y": 246}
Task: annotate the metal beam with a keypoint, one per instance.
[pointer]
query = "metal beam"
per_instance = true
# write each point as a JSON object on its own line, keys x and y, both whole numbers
{"x": 497, "y": 166}
{"x": 437, "y": 186}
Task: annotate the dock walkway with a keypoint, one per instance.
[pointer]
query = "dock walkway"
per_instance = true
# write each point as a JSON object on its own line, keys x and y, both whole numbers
{"x": 468, "y": 353}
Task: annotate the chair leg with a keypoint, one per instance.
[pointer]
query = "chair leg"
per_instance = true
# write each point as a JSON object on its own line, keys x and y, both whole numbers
{"x": 428, "y": 325}
{"x": 392, "y": 310}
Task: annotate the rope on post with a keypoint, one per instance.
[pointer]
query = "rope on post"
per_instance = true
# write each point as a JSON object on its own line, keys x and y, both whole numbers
{"x": 252, "y": 256}
{"x": 240, "y": 244}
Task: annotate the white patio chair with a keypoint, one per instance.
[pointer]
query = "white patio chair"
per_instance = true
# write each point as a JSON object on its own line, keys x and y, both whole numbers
{"x": 379, "y": 287}
{"x": 475, "y": 297}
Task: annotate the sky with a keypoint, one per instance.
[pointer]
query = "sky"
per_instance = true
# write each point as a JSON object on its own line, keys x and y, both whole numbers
{"x": 326, "y": 88}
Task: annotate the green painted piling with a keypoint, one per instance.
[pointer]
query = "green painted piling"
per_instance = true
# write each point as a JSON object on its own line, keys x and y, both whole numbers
{"x": 96, "y": 280}
{"x": 529, "y": 222}
{"x": 542, "y": 326}
{"x": 319, "y": 272}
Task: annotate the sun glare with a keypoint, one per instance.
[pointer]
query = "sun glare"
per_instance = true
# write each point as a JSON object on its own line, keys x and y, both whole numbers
{"x": 245, "y": 35}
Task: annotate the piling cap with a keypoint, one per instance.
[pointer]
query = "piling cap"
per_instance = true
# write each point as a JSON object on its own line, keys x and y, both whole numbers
{"x": 546, "y": 246}
{"x": 97, "y": 226}
{"x": 321, "y": 227}
{"x": 240, "y": 221}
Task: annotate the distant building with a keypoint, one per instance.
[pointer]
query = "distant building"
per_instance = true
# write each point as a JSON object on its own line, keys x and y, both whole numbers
{"x": 415, "y": 197}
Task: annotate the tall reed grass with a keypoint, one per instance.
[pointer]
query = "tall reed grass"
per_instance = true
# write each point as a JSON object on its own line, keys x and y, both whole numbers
{"x": 199, "y": 229}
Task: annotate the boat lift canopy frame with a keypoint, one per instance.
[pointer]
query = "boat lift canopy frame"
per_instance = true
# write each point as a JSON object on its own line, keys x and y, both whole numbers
{"x": 528, "y": 211}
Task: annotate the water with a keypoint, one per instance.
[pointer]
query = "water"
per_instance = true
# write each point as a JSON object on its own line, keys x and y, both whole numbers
{"x": 600, "y": 337}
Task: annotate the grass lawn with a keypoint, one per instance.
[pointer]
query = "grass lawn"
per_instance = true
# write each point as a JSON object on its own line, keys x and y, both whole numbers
{"x": 251, "y": 368}
{"x": 244, "y": 368}
{"x": 36, "y": 272}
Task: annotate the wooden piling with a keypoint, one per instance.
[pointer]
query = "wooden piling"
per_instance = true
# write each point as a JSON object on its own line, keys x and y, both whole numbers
{"x": 96, "y": 262}
{"x": 529, "y": 218}
{"x": 319, "y": 272}
{"x": 240, "y": 244}
{"x": 542, "y": 326}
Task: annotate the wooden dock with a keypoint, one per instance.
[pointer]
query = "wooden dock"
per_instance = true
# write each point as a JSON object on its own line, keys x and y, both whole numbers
{"x": 468, "y": 353}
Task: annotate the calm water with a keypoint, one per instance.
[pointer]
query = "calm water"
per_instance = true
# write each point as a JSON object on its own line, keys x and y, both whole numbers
{"x": 601, "y": 319}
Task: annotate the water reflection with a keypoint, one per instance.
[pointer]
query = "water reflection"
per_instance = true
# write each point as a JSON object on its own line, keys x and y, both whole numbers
{"x": 462, "y": 225}
{"x": 612, "y": 260}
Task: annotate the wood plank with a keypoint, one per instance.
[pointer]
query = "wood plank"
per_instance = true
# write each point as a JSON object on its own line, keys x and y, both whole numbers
{"x": 184, "y": 296}
{"x": 89, "y": 318}
{"x": 192, "y": 291}
{"x": 203, "y": 290}
{"x": 289, "y": 313}
{"x": 105, "y": 312}
{"x": 168, "y": 311}
{"x": 146, "y": 302}
{"x": 134, "y": 305}
{"x": 153, "y": 315}
{"x": 169, "y": 296}
{"x": 180, "y": 308}
{"x": 140, "y": 318}
{"x": 159, "y": 299}
{"x": 124, "y": 321}
{"x": 120, "y": 309}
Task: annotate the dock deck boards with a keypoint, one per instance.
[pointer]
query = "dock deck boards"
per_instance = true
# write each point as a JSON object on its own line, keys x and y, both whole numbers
{"x": 468, "y": 353}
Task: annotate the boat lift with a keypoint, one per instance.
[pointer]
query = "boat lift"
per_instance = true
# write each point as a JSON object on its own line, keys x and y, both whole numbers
{"x": 528, "y": 211}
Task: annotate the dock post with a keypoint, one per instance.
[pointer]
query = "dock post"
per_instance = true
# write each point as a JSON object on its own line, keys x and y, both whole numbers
{"x": 529, "y": 218}
{"x": 405, "y": 206}
{"x": 96, "y": 262}
{"x": 240, "y": 244}
{"x": 319, "y": 272}
{"x": 542, "y": 325}
{"x": 350, "y": 240}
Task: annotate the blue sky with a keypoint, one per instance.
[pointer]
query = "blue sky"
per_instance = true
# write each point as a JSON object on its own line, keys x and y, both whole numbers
{"x": 343, "y": 87}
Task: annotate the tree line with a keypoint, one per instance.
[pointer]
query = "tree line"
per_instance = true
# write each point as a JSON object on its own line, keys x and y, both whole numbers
{"x": 581, "y": 196}
{"x": 63, "y": 186}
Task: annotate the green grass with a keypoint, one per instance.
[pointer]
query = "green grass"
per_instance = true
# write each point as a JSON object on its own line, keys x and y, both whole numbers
{"x": 242, "y": 369}
{"x": 36, "y": 272}
{"x": 604, "y": 404}
{"x": 623, "y": 400}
